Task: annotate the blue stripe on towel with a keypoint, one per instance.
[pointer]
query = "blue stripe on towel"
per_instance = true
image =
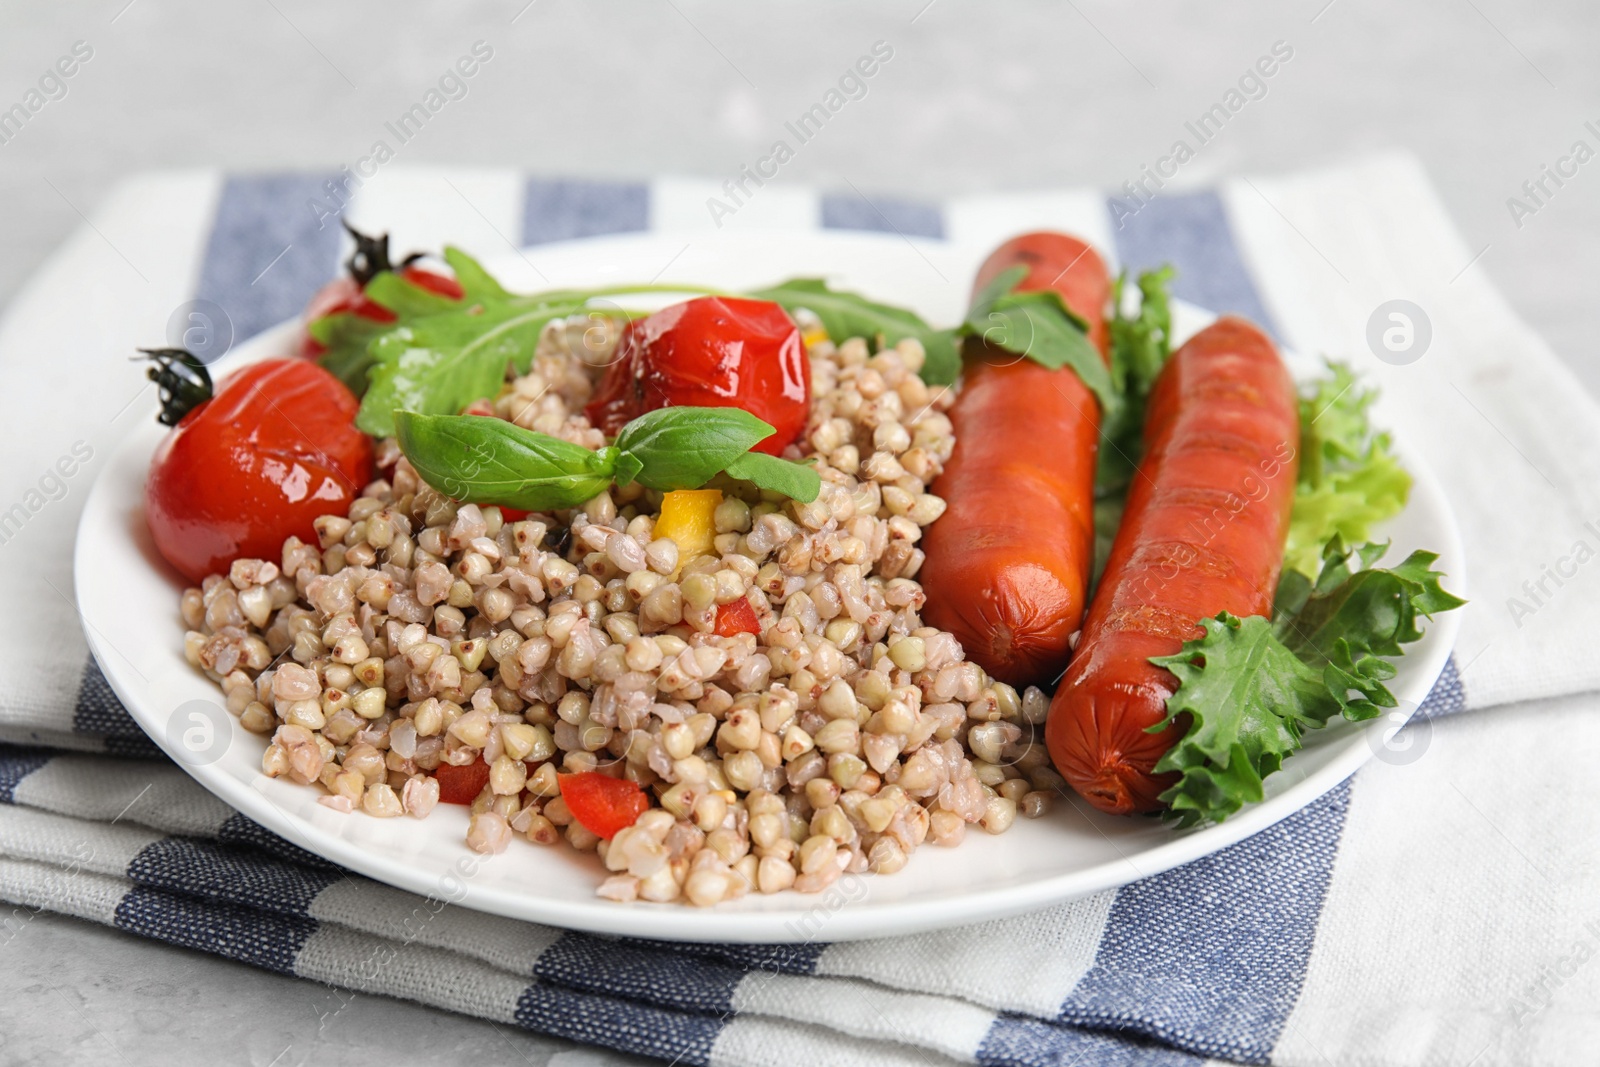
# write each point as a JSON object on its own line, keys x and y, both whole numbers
{"x": 1191, "y": 231}
{"x": 16, "y": 763}
{"x": 267, "y": 255}
{"x": 628, "y": 969}
{"x": 98, "y": 711}
{"x": 909, "y": 218}
{"x": 798, "y": 958}
{"x": 564, "y": 210}
{"x": 1448, "y": 695}
{"x": 133, "y": 748}
{"x": 236, "y": 875}
{"x": 238, "y": 830}
{"x": 1017, "y": 1041}
{"x": 269, "y": 252}
{"x": 1210, "y": 956}
{"x": 682, "y": 1038}
{"x": 263, "y": 939}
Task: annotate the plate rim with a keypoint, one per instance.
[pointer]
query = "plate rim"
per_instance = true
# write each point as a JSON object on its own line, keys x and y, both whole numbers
{"x": 850, "y": 920}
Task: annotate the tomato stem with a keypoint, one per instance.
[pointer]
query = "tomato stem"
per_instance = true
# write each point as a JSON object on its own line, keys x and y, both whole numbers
{"x": 182, "y": 379}
{"x": 371, "y": 257}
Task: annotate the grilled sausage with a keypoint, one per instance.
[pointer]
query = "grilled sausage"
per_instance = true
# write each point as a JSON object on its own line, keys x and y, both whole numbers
{"x": 1203, "y": 532}
{"x": 1008, "y": 563}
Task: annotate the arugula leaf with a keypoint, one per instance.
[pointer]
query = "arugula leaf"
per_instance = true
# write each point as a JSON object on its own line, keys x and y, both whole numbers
{"x": 441, "y": 354}
{"x": 1250, "y": 688}
{"x": 797, "y": 481}
{"x": 1039, "y": 325}
{"x": 845, "y": 314}
{"x": 347, "y": 337}
{"x": 491, "y": 461}
{"x": 406, "y": 300}
{"x": 477, "y": 284}
{"x": 439, "y": 364}
{"x": 1349, "y": 477}
{"x": 685, "y": 447}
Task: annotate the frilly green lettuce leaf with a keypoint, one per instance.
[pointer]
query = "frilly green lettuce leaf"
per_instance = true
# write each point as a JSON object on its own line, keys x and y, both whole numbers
{"x": 1349, "y": 477}
{"x": 1248, "y": 698}
{"x": 1251, "y": 688}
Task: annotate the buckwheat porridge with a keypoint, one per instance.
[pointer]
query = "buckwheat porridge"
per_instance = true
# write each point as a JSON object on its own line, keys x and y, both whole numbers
{"x": 423, "y": 643}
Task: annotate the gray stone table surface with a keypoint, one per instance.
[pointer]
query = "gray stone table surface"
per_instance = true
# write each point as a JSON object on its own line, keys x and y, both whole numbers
{"x": 980, "y": 97}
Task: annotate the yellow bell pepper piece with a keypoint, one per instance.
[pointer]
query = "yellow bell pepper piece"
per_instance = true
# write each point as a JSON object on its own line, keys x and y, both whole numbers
{"x": 813, "y": 336}
{"x": 688, "y": 518}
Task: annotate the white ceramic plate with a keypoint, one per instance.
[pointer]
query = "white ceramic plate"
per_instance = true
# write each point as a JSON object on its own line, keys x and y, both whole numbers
{"x": 129, "y": 601}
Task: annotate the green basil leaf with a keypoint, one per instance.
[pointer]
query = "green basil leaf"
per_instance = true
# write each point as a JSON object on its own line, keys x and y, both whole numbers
{"x": 685, "y": 447}
{"x": 1039, "y": 325}
{"x": 628, "y": 467}
{"x": 998, "y": 286}
{"x": 942, "y": 363}
{"x": 795, "y": 480}
{"x": 845, "y": 314}
{"x": 491, "y": 461}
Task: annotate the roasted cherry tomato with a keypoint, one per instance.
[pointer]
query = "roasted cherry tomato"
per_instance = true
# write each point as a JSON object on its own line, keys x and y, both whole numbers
{"x": 461, "y": 785}
{"x": 602, "y": 804}
{"x": 253, "y": 465}
{"x": 738, "y": 617}
{"x": 714, "y": 351}
{"x": 348, "y": 292}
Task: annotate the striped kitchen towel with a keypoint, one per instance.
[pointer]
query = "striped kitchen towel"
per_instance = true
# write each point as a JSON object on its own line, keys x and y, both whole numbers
{"x": 1435, "y": 909}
